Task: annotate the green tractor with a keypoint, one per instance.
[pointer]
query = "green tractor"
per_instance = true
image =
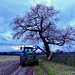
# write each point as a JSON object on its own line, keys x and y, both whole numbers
{"x": 28, "y": 56}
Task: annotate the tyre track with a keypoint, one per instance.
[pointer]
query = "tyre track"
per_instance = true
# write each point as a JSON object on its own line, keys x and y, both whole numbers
{"x": 10, "y": 69}
{"x": 43, "y": 71}
{"x": 13, "y": 68}
{"x": 4, "y": 65}
{"x": 28, "y": 70}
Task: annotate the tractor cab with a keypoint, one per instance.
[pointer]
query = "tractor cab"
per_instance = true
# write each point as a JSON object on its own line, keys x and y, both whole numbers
{"x": 28, "y": 56}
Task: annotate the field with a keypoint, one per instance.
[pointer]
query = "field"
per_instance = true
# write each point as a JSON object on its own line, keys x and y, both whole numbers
{"x": 53, "y": 68}
{"x": 9, "y": 65}
{"x": 66, "y": 59}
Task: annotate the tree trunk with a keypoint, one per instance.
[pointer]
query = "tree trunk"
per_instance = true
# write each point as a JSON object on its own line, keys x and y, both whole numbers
{"x": 45, "y": 44}
{"x": 47, "y": 48}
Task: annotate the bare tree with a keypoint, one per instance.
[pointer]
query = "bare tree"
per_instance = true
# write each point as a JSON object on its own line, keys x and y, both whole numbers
{"x": 40, "y": 23}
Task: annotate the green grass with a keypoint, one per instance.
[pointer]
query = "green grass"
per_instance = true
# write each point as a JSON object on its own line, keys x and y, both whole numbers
{"x": 56, "y": 69}
{"x": 44, "y": 65}
{"x": 38, "y": 70}
{"x": 65, "y": 59}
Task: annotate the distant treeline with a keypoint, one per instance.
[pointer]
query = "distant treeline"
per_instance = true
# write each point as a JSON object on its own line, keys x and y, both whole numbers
{"x": 18, "y": 53}
{"x": 38, "y": 53}
{"x": 10, "y": 53}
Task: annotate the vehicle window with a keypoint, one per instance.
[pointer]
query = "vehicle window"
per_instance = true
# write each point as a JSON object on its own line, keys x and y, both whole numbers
{"x": 30, "y": 50}
{"x": 26, "y": 50}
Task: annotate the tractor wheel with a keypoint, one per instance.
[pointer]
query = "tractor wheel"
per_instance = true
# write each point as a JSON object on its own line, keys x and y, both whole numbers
{"x": 23, "y": 61}
{"x": 36, "y": 61}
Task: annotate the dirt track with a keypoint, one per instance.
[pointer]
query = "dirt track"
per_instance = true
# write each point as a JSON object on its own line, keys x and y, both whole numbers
{"x": 9, "y": 65}
{"x": 12, "y": 68}
{"x": 9, "y": 68}
{"x": 26, "y": 71}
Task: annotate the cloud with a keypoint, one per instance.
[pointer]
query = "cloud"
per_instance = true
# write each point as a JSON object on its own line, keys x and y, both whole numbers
{"x": 10, "y": 8}
{"x": 3, "y": 38}
{"x": 7, "y": 44}
{"x": 64, "y": 4}
{"x": 66, "y": 11}
{"x": 5, "y": 49}
{"x": 16, "y": 47}
{"x": 6, "y": 40}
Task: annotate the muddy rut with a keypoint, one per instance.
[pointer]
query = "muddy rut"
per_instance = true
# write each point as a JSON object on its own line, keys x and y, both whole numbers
{"x": 10, "y": 65}
{"x": 13, "y": 68}
{"x": 28, "y": 70}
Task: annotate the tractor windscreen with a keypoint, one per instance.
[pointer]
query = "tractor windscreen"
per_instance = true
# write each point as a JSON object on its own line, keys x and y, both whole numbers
{"x": 28, "y": 49}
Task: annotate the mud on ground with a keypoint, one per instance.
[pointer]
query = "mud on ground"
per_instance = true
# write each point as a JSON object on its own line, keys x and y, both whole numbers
{"x": 11, "y": 66}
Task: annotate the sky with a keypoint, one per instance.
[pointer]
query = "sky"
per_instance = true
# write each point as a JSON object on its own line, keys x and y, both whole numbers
{"x": 11, "y": 8}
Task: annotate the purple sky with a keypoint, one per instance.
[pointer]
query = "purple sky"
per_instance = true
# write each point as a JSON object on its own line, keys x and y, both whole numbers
{"x": 10, "y": 8}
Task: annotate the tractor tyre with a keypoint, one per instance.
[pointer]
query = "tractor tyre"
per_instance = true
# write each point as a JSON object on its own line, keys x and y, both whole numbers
{"x": 36, "y": 61}
{"x": 23, "y": 61}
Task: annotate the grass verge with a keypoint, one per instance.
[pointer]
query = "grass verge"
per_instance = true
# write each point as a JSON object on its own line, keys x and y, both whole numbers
{"x": 56, "y": 69}
{"x": 38, "y": 70}
{"x": 66, "y": 59}
{"x": 44, "y": 65}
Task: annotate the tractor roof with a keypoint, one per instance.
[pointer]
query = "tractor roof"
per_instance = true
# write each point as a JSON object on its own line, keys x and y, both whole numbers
{"x": 28, "y": 47}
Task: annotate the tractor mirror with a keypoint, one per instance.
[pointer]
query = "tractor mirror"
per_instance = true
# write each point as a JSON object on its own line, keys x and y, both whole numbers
{"x": 20, "y": 48}
{"x": 36, "y": 46}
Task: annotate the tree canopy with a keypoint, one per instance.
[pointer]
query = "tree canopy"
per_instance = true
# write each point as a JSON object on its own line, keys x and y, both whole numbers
{"x": 41, "y": 23}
